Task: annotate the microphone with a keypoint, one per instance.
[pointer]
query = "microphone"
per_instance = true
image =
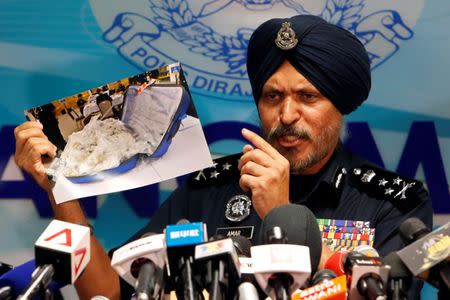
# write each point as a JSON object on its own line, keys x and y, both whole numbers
{"x": 6, "y": 293}
{"x": 141, "y": 264}
{"x": 368, "y": 276}
{"x": 222, "y": 267}
{"x": 62, "y": 252}
{"x": 282, "y": 268}
{"x": 19, "y": 278}
{"x": 322, "y": 276}
{"x": 400, "y": 278}
{"x": 427, "y": 253}
{"x": 246, "y": 289}
{"x": 4, "y": 267}
{"x": 300, "y": 226}
{"x": 335, "y": 262}
{"x": 330, "y": 289}
{"x": 180, "y": 241}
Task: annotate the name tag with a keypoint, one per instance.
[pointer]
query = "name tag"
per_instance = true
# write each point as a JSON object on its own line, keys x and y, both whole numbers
{"x": 229, "y": 232}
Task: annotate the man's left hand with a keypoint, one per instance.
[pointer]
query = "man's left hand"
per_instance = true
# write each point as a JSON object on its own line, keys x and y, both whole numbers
{"x": 264, "y": 172}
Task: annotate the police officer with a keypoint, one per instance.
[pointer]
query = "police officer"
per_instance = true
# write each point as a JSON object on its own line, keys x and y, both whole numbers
{"x": 305, "y": 75}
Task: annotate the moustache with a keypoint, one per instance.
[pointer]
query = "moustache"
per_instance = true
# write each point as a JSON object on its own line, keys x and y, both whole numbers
{"x": 282, "y": 130}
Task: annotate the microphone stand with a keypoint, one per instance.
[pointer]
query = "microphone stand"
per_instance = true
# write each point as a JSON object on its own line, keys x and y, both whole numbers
{"x": 281, "y": 283}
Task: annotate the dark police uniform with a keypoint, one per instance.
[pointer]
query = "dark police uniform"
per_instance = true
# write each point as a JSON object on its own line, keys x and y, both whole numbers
{"x": 347, "y": 188}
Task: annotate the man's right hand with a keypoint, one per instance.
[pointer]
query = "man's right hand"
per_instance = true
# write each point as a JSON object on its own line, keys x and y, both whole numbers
{"x": 32, "y": 149}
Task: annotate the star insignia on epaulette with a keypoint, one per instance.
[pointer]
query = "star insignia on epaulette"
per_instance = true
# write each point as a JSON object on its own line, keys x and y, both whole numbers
{"x": 226, "y": 166}
{"x": 221, "y": 171}
{"x": 397, "y": 180}
{"x": 384, "y": 184}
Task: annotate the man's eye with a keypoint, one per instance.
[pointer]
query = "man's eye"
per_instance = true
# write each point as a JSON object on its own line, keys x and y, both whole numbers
{"x": 308, "y": 96}
{"x": 272, "y": 97}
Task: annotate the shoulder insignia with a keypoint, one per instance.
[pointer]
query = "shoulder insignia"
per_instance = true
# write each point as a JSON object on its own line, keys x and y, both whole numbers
{"x": 384, "y": 184}
{"x": 223, "y": 170}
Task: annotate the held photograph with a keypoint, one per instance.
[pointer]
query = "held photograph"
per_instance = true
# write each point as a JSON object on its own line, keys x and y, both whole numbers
{"x": 122, "y": 135}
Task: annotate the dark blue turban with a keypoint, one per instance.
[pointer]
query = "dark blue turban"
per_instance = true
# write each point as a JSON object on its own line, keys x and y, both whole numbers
{"x": 329, "y": 57}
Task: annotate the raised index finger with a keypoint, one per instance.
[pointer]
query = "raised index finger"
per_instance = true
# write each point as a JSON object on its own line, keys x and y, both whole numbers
{"x": 259, "y": 143}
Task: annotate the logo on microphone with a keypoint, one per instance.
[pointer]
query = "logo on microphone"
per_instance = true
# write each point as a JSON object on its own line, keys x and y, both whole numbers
{"x": 81, "y": 253}
{"x": 63, "y": 237}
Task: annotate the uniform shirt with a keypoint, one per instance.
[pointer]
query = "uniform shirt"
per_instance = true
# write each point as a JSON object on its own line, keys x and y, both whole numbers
{"x": 330, "y": 194}
{"x": 347, "y": 188}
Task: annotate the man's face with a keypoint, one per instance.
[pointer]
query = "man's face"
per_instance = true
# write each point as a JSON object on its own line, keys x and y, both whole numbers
{"x": 298, "y": 121}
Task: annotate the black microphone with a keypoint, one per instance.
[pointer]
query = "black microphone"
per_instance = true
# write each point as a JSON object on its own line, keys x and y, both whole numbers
{"x": 368, "y": 276}
{"x": 247, "y": 289}
{"x": 220, "y": 259}
{"x": 322, "y": 276}
{"x": 400, "y": 278}
{"x": 300, "y": 226}
{"x": 427, "y": 254}
{"x": 149, "y": 280}
{"x": 292, "y": 247}
{"x": 181, "y": 240}
{"x": 4, "y": 267}
{"x": 6, "y": 293}
{"x": 141, "y": 264}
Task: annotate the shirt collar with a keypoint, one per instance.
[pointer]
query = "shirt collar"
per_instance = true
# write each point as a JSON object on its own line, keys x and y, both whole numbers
{"x": 330, "y": 179}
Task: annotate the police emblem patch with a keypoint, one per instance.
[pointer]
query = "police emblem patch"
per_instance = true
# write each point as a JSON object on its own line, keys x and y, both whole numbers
{"x": 286, "y": 39}
{"x": 238, "y": 208}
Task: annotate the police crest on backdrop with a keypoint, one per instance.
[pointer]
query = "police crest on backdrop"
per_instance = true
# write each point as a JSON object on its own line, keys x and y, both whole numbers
{"x": 150, "y": 34}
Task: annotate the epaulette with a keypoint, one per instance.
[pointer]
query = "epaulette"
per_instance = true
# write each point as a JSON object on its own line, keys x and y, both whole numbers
{"x": 223, "y": 169}
{"x": 383, "y": 184}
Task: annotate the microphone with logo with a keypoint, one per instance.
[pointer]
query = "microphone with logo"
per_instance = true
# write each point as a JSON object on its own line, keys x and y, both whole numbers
{"x": 62, "y": 252}
{"x": 222, "y": 267}
{"x": 367, "y": 274}
{"x": 141, "y": 264}
{"x": 181, "y": 240}
{"x": 427, "y": 254}
{"x": 292, "y": 247}
{"x": 325, "y": 285}
{"x": 335, "y": 262}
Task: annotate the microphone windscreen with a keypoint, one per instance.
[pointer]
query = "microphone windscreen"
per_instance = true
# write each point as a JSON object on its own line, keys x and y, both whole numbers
{"x": 183, "y": 221}
{"x": 322, "y": 276}
{"x": 398, "y": 268}
{"x": 300, "y": 226}
{"x": 242, "y": 245}
{"x": 366, "y": 250}
{"x": 412, "y": 229}
{"x": 336, "y": 262}
{"x": 20, "y": 277}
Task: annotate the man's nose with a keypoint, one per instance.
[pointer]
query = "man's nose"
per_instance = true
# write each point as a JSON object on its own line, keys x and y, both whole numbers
{"x": 290, "y": 112}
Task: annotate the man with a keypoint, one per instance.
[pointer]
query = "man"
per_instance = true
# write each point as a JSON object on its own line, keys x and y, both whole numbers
{"x": 305, "y": 75}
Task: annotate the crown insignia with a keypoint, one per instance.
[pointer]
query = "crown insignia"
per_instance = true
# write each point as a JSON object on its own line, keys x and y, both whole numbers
{"x": 286, "y": 38}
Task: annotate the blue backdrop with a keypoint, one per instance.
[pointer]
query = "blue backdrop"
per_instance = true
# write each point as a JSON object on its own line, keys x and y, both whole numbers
{"x": 52, "y": 49}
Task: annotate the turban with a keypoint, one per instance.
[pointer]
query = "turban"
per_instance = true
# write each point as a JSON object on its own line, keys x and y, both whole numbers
{"x": 329, "y": 57}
